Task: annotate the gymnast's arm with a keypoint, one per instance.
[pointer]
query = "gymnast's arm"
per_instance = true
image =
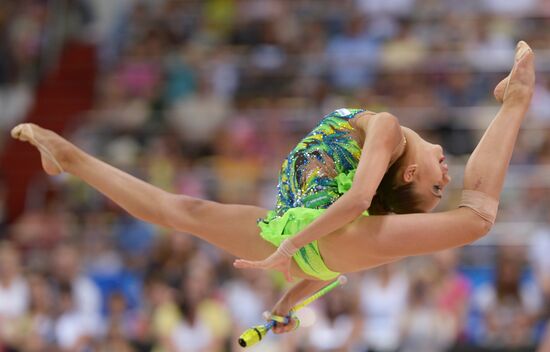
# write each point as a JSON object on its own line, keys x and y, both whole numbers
{"x": 383, "y": 143}
{"x": 293, "y": 296}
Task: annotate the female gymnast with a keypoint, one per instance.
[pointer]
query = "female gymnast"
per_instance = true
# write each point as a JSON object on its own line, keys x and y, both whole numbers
{"x": 324, "y": 221}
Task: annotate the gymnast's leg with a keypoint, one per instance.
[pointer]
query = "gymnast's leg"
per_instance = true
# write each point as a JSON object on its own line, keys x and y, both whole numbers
{"x": 396, "y": 236}
{"x": 487, "y": 166}
{"x": 229, "y": 227}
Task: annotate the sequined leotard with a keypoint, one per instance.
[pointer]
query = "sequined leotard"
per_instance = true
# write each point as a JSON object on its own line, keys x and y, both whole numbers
{"x": 313, "y": 176}
{"x": 307, "y": 177}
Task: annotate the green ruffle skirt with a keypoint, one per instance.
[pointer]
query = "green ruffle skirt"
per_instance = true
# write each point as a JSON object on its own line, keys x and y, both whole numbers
{"x": 276, "y": 228}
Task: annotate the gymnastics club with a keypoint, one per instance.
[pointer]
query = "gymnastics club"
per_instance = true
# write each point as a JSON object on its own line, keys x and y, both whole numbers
{"x": 255, "y": 334}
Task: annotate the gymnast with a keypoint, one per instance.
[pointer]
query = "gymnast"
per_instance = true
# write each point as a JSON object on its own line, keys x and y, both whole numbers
{"x": 355, "y": 193}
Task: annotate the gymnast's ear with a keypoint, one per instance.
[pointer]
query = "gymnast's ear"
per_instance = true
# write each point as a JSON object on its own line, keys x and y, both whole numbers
{"x": 409, "y": 173}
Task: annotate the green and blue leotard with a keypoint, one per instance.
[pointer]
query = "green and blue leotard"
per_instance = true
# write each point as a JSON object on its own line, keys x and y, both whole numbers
{"x": 313, "y": 176}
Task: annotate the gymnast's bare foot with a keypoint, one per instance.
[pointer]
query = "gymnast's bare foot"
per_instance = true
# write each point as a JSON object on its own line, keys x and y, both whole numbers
{"x": 501, "y": 88}
{"x": 519, "y": 84}
{"x": 49, "y": 144}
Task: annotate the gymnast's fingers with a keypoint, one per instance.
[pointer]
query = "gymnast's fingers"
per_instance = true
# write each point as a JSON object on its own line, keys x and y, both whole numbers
{"x": 284, "y": 328}
{"x": 248, "y": 264}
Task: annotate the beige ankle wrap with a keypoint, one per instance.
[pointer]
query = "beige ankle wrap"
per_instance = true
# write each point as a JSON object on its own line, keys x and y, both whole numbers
{"x": 483, "y": 205}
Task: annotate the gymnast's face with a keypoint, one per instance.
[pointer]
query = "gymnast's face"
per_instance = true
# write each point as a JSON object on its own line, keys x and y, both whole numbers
{"x": 430, "y": 174}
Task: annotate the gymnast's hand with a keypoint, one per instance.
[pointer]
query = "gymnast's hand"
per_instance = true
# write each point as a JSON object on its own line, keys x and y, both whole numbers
{"x": 282, "y": 310}
{"x": 277, "y": 261}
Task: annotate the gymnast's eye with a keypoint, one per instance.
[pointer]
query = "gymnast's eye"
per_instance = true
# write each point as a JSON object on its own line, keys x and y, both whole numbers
{"x": 437, "y": 189}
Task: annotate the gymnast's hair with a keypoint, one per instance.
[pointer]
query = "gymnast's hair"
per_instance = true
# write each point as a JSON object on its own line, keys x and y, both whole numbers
{"x": 392, "y": 197}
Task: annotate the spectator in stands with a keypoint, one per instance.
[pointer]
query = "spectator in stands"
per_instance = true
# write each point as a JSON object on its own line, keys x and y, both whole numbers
{"x": 510, "y": 306}
{"x": 425, "y": 327}
{"x": 245, "y": 300}
{"x": 44, "y": 226}
{"x": 539, "y": 247}
{"x": 14, "y": 292}
{"x": 336, "y": 328}
{"x": 73, "y": 330}
{"x": 197, "y": 117}
{"x": 171, "y": 256}
{"x": 195, "y": 331}
{"x": 451, "y": 292}
{"x": 36, "y": 328}
{"x": 124, "y": 327}
{"x": 68, "y": 278}
{"x": 164, "y": 310}
{"x": 352, "y": 55}
{"x": 237, "y": 166}
{"x": 383, "y": 298}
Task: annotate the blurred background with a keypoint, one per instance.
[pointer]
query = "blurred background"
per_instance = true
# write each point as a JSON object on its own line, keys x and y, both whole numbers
{"x": 206, "y": 98}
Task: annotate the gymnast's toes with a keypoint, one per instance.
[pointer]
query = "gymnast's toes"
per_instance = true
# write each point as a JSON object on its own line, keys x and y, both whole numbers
{"x": 17, "y": 132}
{"x": 47, "y": 142}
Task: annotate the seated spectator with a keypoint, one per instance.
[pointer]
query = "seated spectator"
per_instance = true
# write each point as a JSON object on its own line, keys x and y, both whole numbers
{"x": 14, "y": 292}
{"x": 67, "y": 271}
{"x": 204, "y": 321}
{"x": 510, "y": 305}
{"x": 197, "y": 116}
{"x": 426, "y": 327}
{"x": 45, "y": 226}
{"x": 73, "y": 331}
{"x": 351, "y": 56}
{"x": 452, "y": 291}
{"x": 383, "y": 301}
{"x": 35, "y": 330}
{"x": 335, "y": 327}
{"x": 121, "y": 320}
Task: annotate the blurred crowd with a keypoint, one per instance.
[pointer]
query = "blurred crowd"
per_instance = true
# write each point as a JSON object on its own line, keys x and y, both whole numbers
{"x": 205, "y": 98}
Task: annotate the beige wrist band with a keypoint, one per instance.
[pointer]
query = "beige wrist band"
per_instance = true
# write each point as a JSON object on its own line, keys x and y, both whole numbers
{"x": 483, "y": 205}
{"x": 287, "y": 248}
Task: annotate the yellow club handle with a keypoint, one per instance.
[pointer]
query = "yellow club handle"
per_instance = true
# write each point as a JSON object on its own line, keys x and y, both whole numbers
{"x": 342, "y": 280}
{"x": 255, "y": 334}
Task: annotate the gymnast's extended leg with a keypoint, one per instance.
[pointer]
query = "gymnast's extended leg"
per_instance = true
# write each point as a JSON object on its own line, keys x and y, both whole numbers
{"x": 395, "y": 236}
{"x": 229, "y": 227}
